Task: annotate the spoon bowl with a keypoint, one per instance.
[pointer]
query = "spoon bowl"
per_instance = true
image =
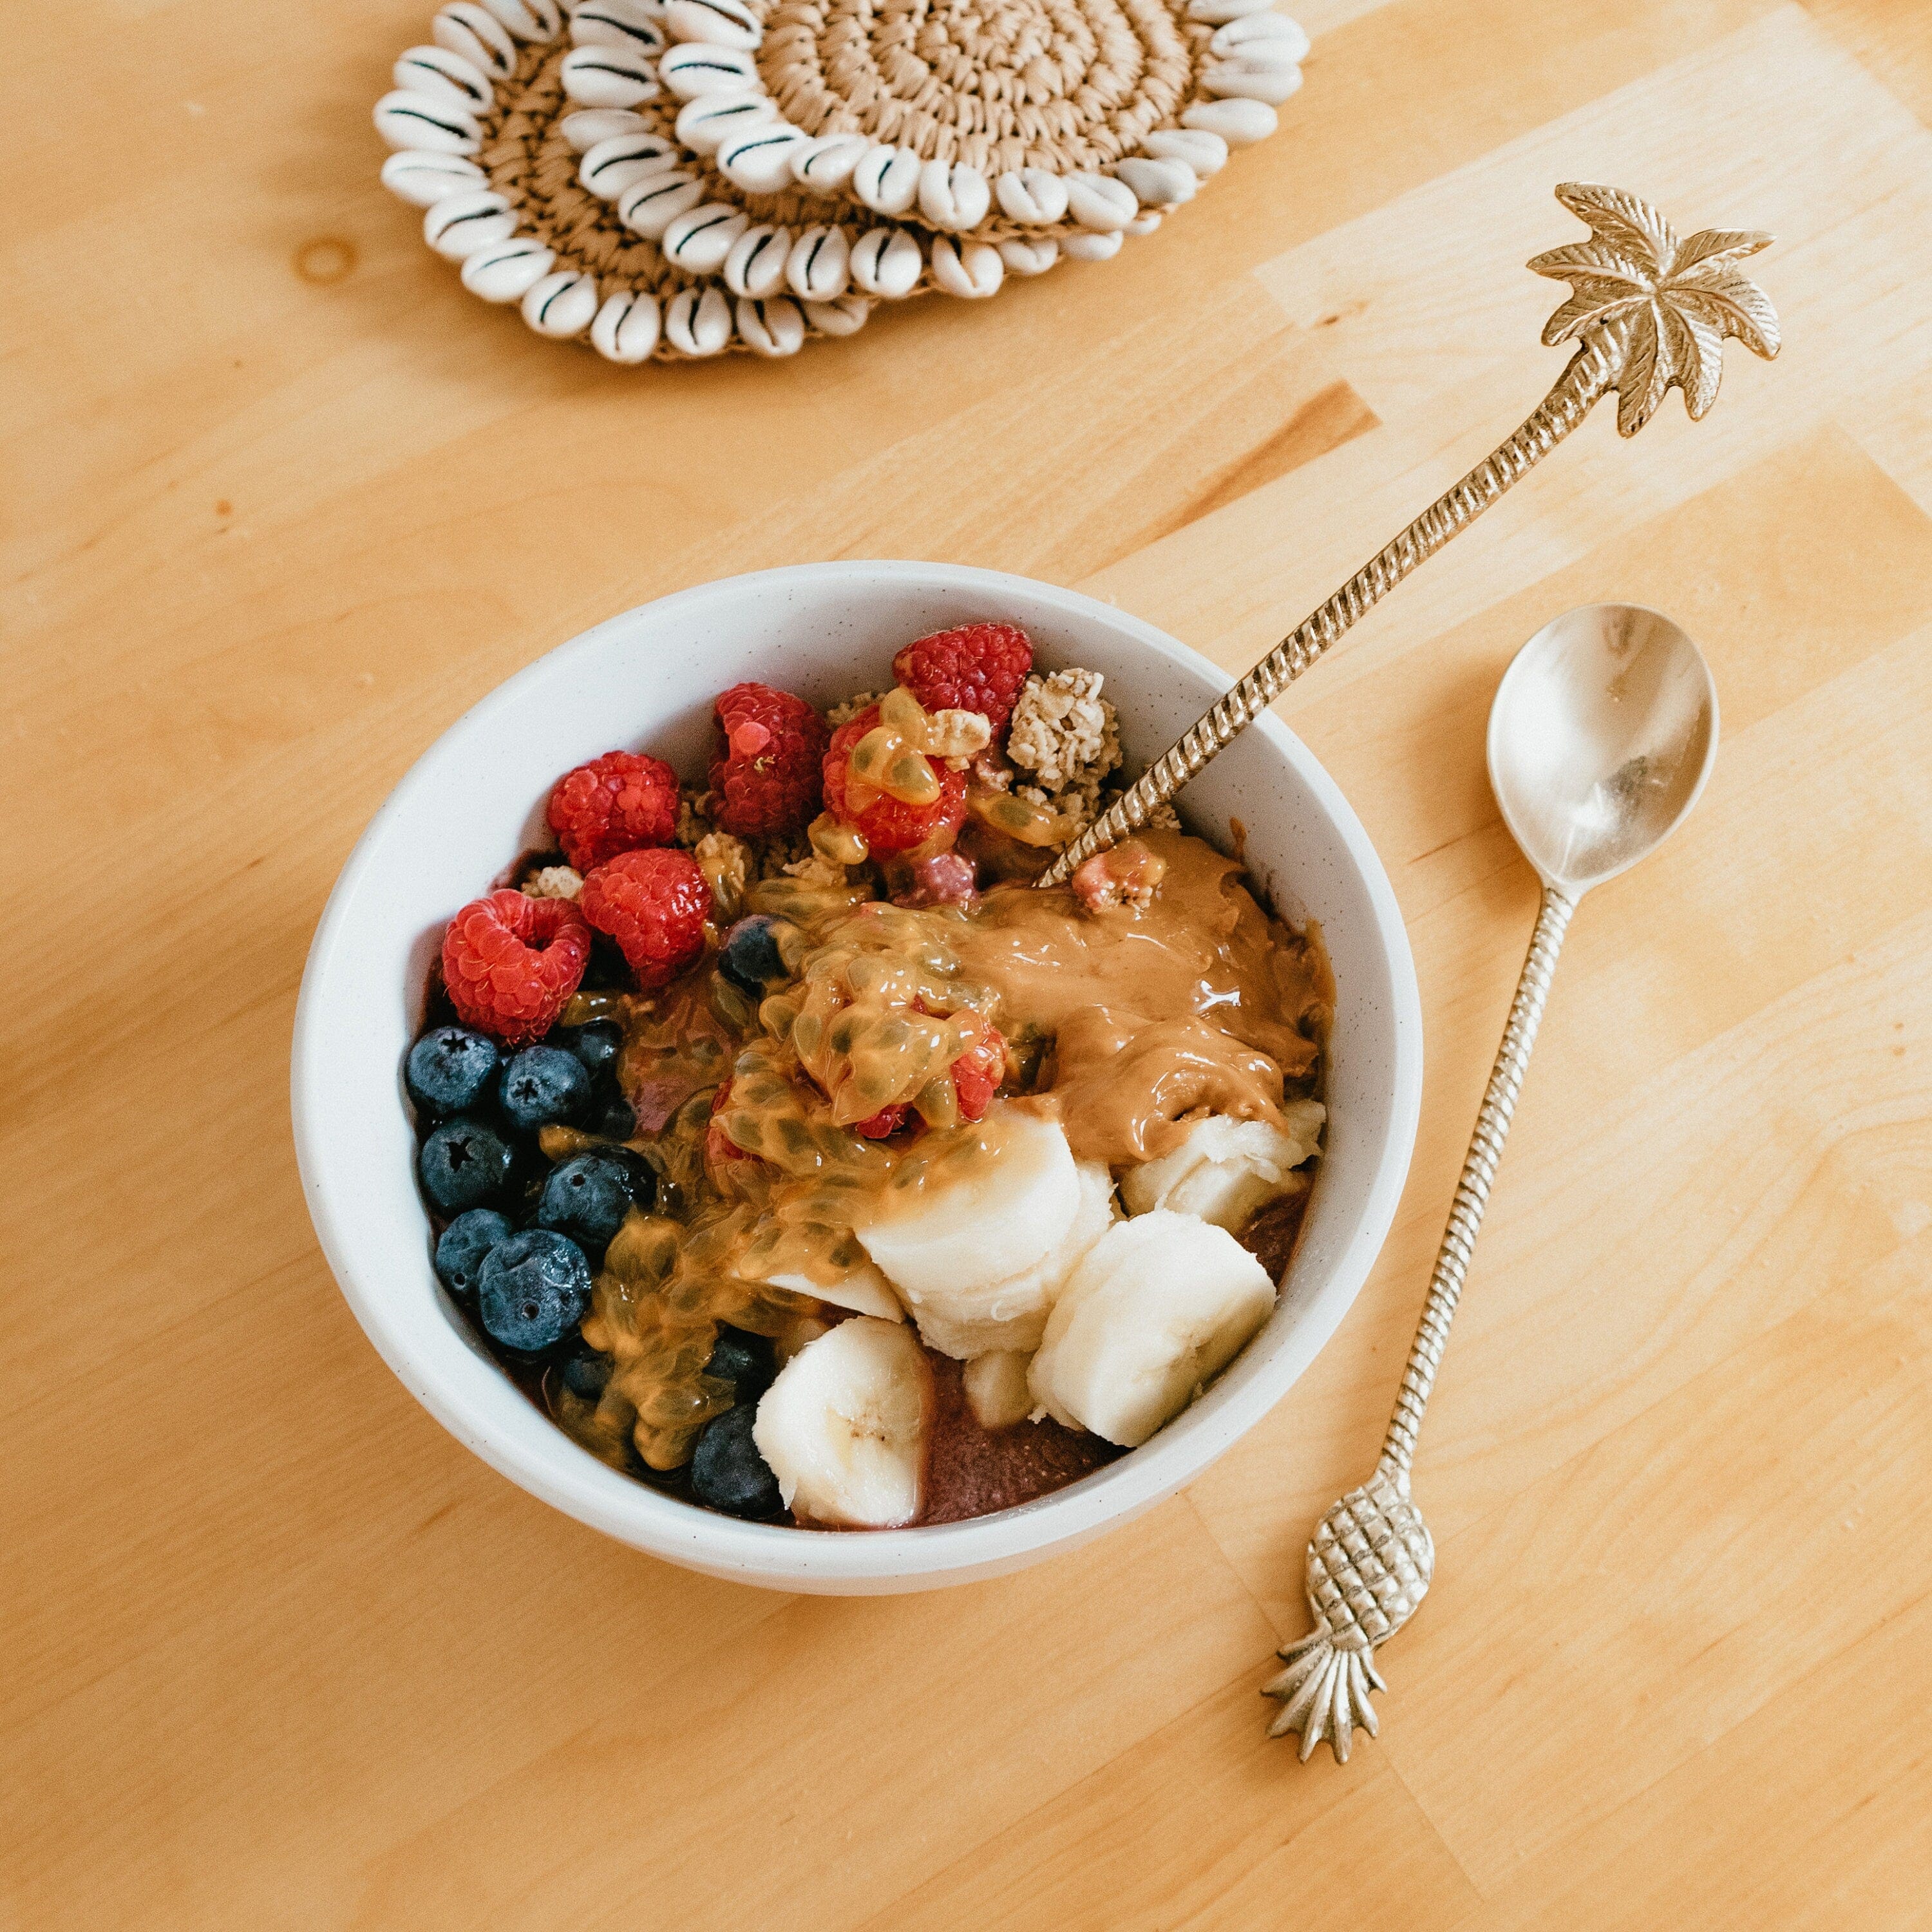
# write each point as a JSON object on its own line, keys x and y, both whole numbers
{"x": 1603, "y": 731}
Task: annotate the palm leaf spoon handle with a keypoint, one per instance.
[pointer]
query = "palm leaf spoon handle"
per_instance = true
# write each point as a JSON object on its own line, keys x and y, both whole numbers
{"x": 1648, "y": 313}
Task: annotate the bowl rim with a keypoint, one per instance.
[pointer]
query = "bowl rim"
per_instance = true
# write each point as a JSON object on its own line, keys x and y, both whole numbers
{"x": 778, "y": 1556}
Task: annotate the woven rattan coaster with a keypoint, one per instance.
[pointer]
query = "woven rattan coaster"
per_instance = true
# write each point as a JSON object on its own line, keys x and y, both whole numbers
{"x": 678, "y": 178}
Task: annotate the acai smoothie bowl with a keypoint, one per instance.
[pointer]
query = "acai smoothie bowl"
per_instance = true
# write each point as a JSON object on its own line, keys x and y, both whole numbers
{"x": 713, "y": 1120}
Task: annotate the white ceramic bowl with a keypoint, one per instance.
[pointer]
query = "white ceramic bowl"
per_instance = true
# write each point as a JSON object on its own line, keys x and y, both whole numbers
{"x": 646, "y": 679}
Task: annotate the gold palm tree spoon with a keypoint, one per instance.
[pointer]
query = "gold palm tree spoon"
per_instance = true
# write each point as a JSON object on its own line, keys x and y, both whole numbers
{"x": 1649, "y": 313}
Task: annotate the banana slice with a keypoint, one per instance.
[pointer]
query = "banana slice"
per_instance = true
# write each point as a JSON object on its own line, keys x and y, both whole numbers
{"x": 1162, "y": 1304}
{"x": 861, "y": 1289}
{"x": 844, "y": 1427}
{"x": 1226, "y": 1168}
{"x": 996, "y": 1388}
{"x": 967, "y": 1322}
{"x": 993, "y": 1200}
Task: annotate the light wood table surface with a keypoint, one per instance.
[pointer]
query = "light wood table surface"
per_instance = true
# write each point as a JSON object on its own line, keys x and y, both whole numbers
{"x": 281, "y": 501}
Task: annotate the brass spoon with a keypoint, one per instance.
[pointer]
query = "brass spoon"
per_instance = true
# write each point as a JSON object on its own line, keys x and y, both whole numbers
{"x": 1602, "y": 734}
{"x": 1648, "y": 313}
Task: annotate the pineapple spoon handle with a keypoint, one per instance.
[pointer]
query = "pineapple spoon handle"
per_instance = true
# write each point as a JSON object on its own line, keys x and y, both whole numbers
{"x": 1649, "y": 313}
{"x": 1369, "y": 1565}
{"x": 1472, "y": 1189}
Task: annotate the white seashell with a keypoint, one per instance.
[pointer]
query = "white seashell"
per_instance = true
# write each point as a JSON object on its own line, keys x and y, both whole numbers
{"x": 1099, "y": 203}
{"x": 972, "y": 269}
{"x": 825, "y": 162}
{"x": 952, "y": 195}
{"x": 1206, "y": 154}
{"x": 506, "y": 271}
{"x": 845, "y": 316}
{"x": 1242, "y": 80}
{"x": 1157, "y": 184}
{"x": 529, "y": 19}
{"x": 1240, "y": 123}
{"x": 704, "y": 125}
{"x": 1086, "y": 247}
{"x": 695, "y": 68}
{"x": 820, "y": 265}
{"x": 771, "y": 329}
{"x": 756, "y": 265}
{"x": 1145, "y": 223}
{"x": 1215, "y": 11}
{"x": 424, "y": 179}
{"x": 584, "y": 129}
{"x": 759, "y": 161}
{"x": 887, "y": 262}
{"x": 699, "y": 240}
{"x": 607, "y": 77}
{"x": 626, "y": 327}
{"x": 617, "y": 23}
{"x": 612, "y": 166}
{"x": 444, "y": 76}
{"x": 1250, "y": 28}
{"x": 460, "y": 224}
{"x": 407, "y": 119}
{"x": 649, "y": 207}
{"x": 1023, "y": 256}
{"x": 1032, "y": 197}
{"x": 1265, "y": 57}
{"x": 476, "y": 34}
{"x": 886, "y": 179}
{"x": 697, "y": 322}
{"x": 563, "y": 304}
{"x": 716, "y": 23}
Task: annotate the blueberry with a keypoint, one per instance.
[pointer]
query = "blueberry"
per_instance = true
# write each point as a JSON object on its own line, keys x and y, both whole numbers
{"x": 587, "y": 1198}
{"x": 449, "y": 1068}
{"x": 597, "y": 1043}
{"x": 748, "y": 1362}
{"x": 462, "y": 1164}
{"x": 533, "y": 1291}
{"x": 543, "y": 1084}
{"x": 750, "y": 959}
{"x": 459, "y": 1254}
{"x": 586, "y": 1373}
{"x": 726, "y": 1472}
{"x": 614, "y": 1118}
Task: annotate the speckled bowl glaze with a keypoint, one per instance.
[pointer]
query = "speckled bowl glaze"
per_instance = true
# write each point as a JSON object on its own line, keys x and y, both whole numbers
{"x": 647, "y": 679}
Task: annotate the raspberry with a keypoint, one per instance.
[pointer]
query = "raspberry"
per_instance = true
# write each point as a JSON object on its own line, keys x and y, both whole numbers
{"x": 654, "y": 904}
{"x": 766, "y": 769}
{"x": 613, "y": 804}
{"x": 509, "y": 963}
{"x": 719, "y": 1147}
{"x": 977, "y": 667}
{"x": 888, "y": 824}
{"x": 977, "y": 1073}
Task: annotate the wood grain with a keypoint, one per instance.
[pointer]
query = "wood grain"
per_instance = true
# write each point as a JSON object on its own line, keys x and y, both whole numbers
{"x": 282, "y": 501}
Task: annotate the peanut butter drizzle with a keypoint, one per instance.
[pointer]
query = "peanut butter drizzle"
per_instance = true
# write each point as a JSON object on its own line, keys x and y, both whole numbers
{"x": 1198, "y": 1002}
{"x": 1129, "y": 1018}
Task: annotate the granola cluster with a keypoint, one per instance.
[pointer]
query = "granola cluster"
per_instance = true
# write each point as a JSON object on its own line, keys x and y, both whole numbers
{"x": 554, "y": 882}
{"x": 1067, "y": 738}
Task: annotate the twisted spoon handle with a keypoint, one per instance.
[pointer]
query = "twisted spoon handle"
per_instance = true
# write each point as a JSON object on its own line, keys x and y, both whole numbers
{"x": 1479, "y": 1175}
{"x": 1590, "y": 372}
{"x": 1372, "y": 1558}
